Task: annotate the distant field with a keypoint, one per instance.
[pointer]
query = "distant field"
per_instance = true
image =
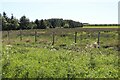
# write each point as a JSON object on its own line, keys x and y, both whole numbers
{"x": 101, "y": 27}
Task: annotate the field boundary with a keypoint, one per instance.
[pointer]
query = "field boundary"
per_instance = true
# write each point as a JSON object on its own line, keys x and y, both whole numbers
{"x": 82, "y": 29}
{"x": 55, "y": 31}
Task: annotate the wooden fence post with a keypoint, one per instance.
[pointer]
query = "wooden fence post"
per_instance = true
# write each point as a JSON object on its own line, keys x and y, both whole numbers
{"x": 35, "y": 36}
{"x": 53, "y": 38}
{"x": 8, "y": 38}
{"x": 75, "y": 37}
{"x": 81, "y": 36}
{"x": 98, "y": 42}
{"x": 20, "y": 34}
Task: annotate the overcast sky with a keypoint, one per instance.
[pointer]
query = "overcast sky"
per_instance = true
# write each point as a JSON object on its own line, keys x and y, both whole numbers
{"x": 86, "y": 11}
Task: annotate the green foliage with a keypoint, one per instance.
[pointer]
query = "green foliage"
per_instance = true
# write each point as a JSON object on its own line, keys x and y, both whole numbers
{"x": 24, "y": 23}
{"x": 42, "y": 24}
{"x": 66, "y": 25}
{"x": 14, "y": 24}
{"x": 73, "y": 24}
{"x": 4, "y": 24}
{"x": 9, "y": 23}
{"x": 21, "y": 62}
{"x": 32, "y": 25}
{"x": 63, "y": 60}
{"x": 37, "y": 23}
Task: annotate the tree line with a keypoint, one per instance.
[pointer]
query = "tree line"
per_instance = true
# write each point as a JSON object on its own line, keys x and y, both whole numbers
{"x": 11, "y": 23}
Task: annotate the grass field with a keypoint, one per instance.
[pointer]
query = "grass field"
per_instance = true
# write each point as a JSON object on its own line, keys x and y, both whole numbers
{"x": 101, "y": 27}
{"x": 64, "y": 59}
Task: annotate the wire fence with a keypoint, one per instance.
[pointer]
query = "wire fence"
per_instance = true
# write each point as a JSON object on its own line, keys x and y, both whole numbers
{"x": 60, "y": 35}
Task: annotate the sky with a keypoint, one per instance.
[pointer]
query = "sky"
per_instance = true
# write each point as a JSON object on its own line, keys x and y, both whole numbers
{"x": 85, "y": 11}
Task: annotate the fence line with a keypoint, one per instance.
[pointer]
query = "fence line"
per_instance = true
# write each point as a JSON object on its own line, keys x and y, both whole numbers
{"x": 55, "y": 31}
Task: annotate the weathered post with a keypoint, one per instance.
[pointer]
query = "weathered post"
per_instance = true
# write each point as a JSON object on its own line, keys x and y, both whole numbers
{"x": 98, "y": 42}
{"x": 8, "y": 38}
{"x": 75, "y": 37}
{"x": 53, "y": 34}
{"x": 20, "y": 34}
{"x": 81, "y": 36}
{"x": 35, "y": 36}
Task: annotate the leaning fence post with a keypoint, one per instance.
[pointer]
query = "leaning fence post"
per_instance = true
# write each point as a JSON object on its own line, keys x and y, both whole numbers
{"x": 53, "y": 38}
{"x": 75, "y": 37}
{"x": 35, "y": 35}
{"x": 20, "y": 34}
{"x": 98, "y": 42}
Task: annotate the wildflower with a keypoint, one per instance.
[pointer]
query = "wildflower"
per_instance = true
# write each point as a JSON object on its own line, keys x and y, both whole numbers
{"x": 53, "y": 49}
{"x": 8, "y": 45}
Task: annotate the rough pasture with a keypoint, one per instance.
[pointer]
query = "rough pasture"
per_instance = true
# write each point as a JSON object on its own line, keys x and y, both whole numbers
{"x": 64, "y": 59}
